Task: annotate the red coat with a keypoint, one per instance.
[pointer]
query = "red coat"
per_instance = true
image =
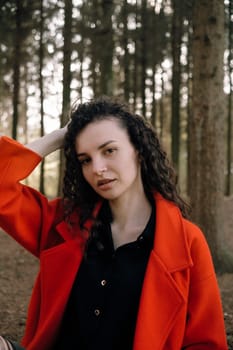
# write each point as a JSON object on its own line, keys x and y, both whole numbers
{"x": 180, "y": 303}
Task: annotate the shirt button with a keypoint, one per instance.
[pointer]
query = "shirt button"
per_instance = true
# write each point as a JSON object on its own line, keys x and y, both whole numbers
{"x": 97, "y": 312}
{"x": 103, "y": 283}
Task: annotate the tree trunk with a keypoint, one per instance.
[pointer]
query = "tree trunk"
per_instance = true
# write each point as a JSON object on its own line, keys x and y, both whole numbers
{"x": 161, "y": 106}
{"x": 41, "y": 86}
{"x": 81, "y": 78}
{"x": 67, "y": 50}
{"x": 143, "y": 55}
{"x": 207, "y": 122}
{"x": 153, "y": 88}
{"x": 177, "y": 29}
{"x": 189, "y": 104}
{"x": 16, "y": 68}
{"x": 94, "y": 65}
{"x": 24, "y": 110}
{"x": 126, "y": 51}
{"x": 106, "y": 49}
{"x": 155, "y": 47}
{"x": 229, "y": 117}
{"x": 135, "y": 68}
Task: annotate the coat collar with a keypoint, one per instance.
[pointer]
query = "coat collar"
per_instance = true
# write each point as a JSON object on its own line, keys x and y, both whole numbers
{"x": 68, "y": 232}
{"x": 170, "y": 243}
{"x": 164, "y": 295}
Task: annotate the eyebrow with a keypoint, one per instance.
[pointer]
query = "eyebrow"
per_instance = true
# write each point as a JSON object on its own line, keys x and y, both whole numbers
{"x": 100, "y": 147}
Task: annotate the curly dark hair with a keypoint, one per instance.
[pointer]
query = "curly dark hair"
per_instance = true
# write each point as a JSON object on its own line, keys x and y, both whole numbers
{"x": 157, "y": 174}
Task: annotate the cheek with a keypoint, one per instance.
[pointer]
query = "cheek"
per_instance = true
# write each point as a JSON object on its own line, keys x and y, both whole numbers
{"x": 86, "y": 174}
{"x": 135, "y": 162}
{"x": 131, "y": 169}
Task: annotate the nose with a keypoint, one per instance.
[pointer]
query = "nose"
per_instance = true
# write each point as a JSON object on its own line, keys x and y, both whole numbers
{"x": 98, "y": 166}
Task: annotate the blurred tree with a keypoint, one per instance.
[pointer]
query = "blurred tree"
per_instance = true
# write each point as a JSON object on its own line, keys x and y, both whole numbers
{"x": 67, "y": 52}
{"x": 161, "y": 105}
{"x": 41, "y": 87}
{"x": 177, "y": 32}
{"x": 207, "y": 137}
{"x": 7, "y": 20}
{"x": 229, "y": 112}
{"x": 189, "y": 6}
{"x": 105, "y": 33}
{"x": 94, "y": 68}
{"x": 16, "y": 65}
{"x": 156, "y": 49}
{"x": 94, "y": 50}
{"x": 157, "y": 46}
{"x": 126, "y": 51}
{"x": 143, "y": 55}
{"x": 136, "y": 54}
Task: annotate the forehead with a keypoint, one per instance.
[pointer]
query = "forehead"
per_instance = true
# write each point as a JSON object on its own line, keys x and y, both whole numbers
{"x": 100, "y": 131}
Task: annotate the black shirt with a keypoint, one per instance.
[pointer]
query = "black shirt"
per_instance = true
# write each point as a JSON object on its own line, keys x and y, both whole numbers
{"x": 103, "y": 304}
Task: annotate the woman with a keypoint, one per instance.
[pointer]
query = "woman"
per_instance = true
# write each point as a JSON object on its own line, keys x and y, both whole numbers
{"x": 120, "y": 265}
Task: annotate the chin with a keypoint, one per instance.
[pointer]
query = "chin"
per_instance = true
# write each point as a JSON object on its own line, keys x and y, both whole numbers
{"x": 109, "y": 196}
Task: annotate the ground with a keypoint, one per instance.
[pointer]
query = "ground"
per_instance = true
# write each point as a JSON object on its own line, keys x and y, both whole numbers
{"x": 17, "y": 274}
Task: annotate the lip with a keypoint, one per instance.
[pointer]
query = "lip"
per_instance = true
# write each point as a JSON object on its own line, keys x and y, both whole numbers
{"x": 105, "y": 183}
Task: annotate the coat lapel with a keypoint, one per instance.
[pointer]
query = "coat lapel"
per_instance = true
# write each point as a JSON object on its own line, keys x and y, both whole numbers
{"x": 161, "y": 301}
{"x": 163, "y": 295}
{"x": 59, "y": 266}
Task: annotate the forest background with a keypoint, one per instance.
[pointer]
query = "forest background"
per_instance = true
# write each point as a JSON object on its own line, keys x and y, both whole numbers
{"x": 170, "y": 60}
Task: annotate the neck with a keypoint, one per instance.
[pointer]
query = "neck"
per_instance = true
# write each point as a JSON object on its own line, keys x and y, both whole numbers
{"x": 134, "y": 209}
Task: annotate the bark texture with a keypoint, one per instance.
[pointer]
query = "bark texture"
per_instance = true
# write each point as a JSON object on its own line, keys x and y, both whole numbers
{"x": 207, "y": 122}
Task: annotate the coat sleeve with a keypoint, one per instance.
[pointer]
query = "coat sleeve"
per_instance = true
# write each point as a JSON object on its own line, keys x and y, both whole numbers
{"x": 205, "y": 323}
{"x": 25, "y": 213}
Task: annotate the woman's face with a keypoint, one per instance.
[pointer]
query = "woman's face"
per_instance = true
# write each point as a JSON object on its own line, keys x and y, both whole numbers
{"x": 109, "y": 161}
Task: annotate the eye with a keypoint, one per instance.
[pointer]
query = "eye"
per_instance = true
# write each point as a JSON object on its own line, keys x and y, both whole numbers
{"x": 110, "y": 150}
{"x": 84, "y": 161}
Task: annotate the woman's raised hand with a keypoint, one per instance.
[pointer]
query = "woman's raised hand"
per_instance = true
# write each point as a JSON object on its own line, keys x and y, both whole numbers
{"x": 49, "y": 142}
